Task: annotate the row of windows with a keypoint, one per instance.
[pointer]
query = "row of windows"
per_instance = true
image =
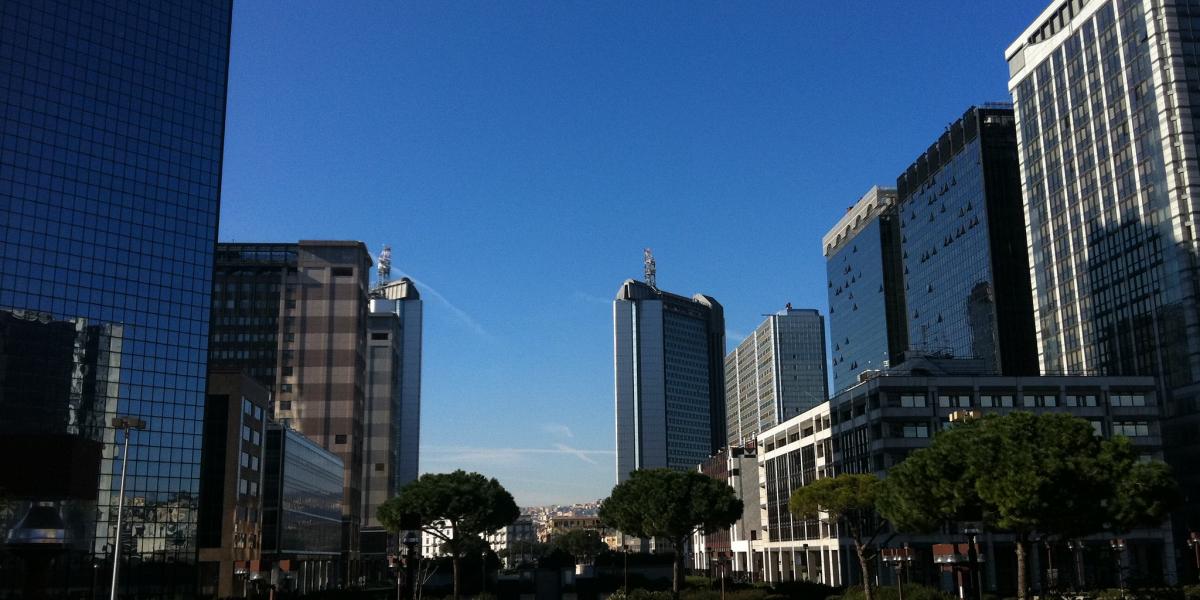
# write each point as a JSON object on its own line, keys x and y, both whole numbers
{"x": 1027, "y": 400}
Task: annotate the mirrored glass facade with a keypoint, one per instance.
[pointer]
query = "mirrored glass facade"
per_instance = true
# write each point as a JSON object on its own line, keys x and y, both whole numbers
{"x": 962, "y": 234}
{"x": 866, "y": 300}
{"x": 111, "y": 130}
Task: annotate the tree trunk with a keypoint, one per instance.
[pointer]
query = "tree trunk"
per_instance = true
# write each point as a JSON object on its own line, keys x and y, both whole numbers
{"x": 454, "y": 561}
{"x": 677, "y": 575}
{"x": 865, "y": 565}
{"x": 1021, "y": 583}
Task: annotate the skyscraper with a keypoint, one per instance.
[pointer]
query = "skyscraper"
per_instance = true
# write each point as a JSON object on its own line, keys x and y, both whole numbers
{"x": 962, "y": 240}
{"x": 110, "y": 167}
{"x": 294, "y": 317}
{"x": 776, "y": 373}
{"x": 867, "y": 323}
{"x": 670, "y": 378}
{"x": 393, "y": 408}
{"x": 1107, "y": 113}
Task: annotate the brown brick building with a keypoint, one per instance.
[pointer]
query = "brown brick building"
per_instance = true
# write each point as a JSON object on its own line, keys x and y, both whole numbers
{"x": 294, "y": 317}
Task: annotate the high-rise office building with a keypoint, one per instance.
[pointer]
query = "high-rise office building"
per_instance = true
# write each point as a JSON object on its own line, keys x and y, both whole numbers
{"x": 962, "y": 244}
{"x": 110, "y": 166}
{"x": 393, "y": 410}
{"x": 1107, "y": 109}
{"x": 776, "y": 373}
{"x": 867, "y": 323}
{"x": 670, "y": 378}
{"x": 294, "y": 317}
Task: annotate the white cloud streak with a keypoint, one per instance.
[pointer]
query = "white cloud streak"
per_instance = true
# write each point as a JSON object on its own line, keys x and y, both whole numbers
{"x": 460, "y": 314}
{"x": 558, "y": 430}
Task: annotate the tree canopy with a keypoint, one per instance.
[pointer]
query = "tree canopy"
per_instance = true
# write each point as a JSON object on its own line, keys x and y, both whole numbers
{"x": 583, "y": 544}
{"x": 1027, "y": 473}
{"x": 454, "y": 507}
{"x": 847, "y": 500}
{"x": 662, "y": 503}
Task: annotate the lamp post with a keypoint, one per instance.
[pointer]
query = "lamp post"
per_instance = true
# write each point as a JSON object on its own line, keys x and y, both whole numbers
{"x": 1076, "y": 547}
{"x": 410, "y": 563}
{"x": 124, "y": 424}
{"x": 807, "y": 575}
{"x": 625, "y": 551}
{"x": 1118, "y": 546}
{"x": 972, "y": 532}
{"x": 899, "y": 558}
{"x": 1194, "y": 543}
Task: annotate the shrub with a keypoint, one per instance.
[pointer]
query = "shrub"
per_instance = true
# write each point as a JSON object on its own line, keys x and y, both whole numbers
{"x": 912, "y": 591}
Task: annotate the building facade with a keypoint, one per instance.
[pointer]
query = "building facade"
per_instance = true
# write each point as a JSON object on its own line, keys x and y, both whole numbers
{"x": 867, "y": 322}
{"x": 294, "y": 317}
{"x": 302, "y": 511}
{"x": 231, "y": 484}
{"x": 392, "y": 413}
{"x": 873, "y": 426}
{"x": 776, "y": 373}
{"x": 1107, "y": 111}
{"x": 513, "y": 543}
{"x": 110, "y": 170}
{"x": 670, "y": 378}
{"x": 733, "y": 550}
{"x": 962, "y": 240}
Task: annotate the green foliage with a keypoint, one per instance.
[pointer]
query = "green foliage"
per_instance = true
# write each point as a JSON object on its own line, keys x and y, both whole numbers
{"x": 847, "y": 497}
{"x": 670, "y": 504}
{"x": 1027, "y": 473}
{"x": 470, "y": 502}
{"x": 583, "y": 544}
{"x": 1191, "y": 592}
{"x": 911, "y": 592}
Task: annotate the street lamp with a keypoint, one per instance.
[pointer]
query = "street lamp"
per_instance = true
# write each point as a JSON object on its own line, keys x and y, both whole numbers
{"x": 899, "y": 558}
{"x": 972, "y": 532}
{"x": 124, "y": 424}
{"x": 1118, "y": 546}
{"x": 1194, "y": 543}
{"x": 1076, "y": 547}
{"x": 410, "y": 562}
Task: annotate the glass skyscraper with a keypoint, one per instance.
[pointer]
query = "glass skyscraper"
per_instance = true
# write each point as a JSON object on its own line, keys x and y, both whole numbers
{"x": 111, "y": 129}
{"x": 962, "y": 245}
{"x": 1107, "y": 97}
{"x": 866, "y": 295}
{"x": 669, "y": 352}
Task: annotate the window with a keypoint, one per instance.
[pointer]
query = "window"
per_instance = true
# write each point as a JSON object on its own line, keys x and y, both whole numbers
{"x": 285, "y": 405}
{"x": 954, "y": 401}
{"x": 915, "y": 430}
{"x": 378, "y": 466}
{"x": 1131, "y": 428}
{"x": 246, "y": 432}
{"x": 912, "y": 400}
{"x": 1082, "y": 400}
{"x": 1097, "y": 427}
{"x": 379, "y": 335}
{"x": 343, "y": 272}
{"x": 1127, "y": 400}
{"x": 339, "y": 438}
{"x": 245, "y": 460}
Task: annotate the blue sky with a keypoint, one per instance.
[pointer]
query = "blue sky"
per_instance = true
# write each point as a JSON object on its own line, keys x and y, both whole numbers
{"x": 519, "y": 155}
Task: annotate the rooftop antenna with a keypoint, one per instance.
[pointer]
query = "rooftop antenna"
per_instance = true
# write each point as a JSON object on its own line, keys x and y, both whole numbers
{"x": 385, "y": 265}
{"x": 648, "y": 259}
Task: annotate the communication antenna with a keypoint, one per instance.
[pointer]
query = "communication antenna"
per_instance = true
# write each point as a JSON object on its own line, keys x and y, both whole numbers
{"x": 648, "y": 259}
{"x": 385, "y": 265}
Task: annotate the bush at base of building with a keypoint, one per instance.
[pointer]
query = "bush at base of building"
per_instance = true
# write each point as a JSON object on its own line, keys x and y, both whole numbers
{"x": 911, "y": 592}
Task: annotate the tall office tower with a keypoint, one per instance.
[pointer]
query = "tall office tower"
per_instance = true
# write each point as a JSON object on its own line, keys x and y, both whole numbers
{"x": 962, "y": 242}
{"x": 776, "y": 373}
{"x": 867, "y": 323}
{"x": 393, "y": 405}
{"x": 110, "y": 165}
{"x": 410, "y": 310}
{"x": 1107, "y": 108}
{"x": 670, "y": 378}
{"x": 294, "y": 317}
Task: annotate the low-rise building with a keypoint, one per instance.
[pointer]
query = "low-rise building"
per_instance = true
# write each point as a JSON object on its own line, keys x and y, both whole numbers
{"x": 513, "y": 543}
{"x": 229, "y": 531}
{"x": 732, "y": 550}
{"x": 302, "y": 511}
{"x": 874, "y": 425}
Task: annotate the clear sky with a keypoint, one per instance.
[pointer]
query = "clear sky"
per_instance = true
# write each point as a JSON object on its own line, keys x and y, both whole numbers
{"x": 519, "y": 155}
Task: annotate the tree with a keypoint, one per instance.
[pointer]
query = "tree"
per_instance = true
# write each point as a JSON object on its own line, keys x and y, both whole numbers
{"x": 583, "y": 544}
{"x": 849, "y": 501}
{"x": 671, "y": 505}
{"x": 454, "y": 507}
{"x": 1026, "y": 474}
